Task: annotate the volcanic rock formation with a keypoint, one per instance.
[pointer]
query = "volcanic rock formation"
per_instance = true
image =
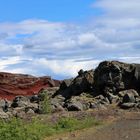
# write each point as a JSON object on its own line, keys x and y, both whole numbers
{"x": 112, "y": 82}
{"x": 12, "y": 85}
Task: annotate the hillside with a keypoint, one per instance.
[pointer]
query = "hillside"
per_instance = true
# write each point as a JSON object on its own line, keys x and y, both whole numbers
{"x": 12, "y": 85}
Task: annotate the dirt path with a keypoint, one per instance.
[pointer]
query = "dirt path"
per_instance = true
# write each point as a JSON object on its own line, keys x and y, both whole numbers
{"x": 120, "y": 130}
{"x": 126, "y": 128}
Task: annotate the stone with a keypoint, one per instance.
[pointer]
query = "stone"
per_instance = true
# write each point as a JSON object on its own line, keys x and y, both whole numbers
{"x": 138, "y": 105}
{"x": 97, "y": 105}
{"x": 57, "y": 108}
{"x": 3, "y": 115}
{"x": 129, "y": 98}
{"x": 112, "y": 98}
{"x": 30, "y": 112}
{"x": 74, "y": 105}
{"x": 20, "y": 101}
{"x": 34, "y": 98}
{"x": 127, "y": 105}
{"x": 131, "y": 91}
{"x": 117, "y": 76}
{"x": 74, "y": 87}
{"x": 65, "y": 83}
{"x": 4, "y": 104}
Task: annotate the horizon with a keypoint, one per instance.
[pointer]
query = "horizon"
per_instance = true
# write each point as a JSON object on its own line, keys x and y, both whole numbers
{"x": 58, "y": 38}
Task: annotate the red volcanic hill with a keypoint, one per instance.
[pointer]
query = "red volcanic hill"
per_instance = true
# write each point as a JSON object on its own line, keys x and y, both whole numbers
{"x": 12, "y": 85}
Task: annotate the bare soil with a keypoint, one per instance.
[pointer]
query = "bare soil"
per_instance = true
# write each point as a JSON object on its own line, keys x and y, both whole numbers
{"x": 118, "y": 125}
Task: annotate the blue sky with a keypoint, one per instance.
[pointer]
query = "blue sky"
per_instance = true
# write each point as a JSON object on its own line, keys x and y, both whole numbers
{"x": 58, "y": 38}
{"x": 52, "y": 10}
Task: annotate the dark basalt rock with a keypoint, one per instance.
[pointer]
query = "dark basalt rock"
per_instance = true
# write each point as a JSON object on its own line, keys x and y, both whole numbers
{"x": 114, "y": 76}
{"x": 117, "y": 82}
{"x": 74, "y": 87}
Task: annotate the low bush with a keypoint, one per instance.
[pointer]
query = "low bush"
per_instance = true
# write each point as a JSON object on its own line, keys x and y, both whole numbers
{"x": 45, "y": 102}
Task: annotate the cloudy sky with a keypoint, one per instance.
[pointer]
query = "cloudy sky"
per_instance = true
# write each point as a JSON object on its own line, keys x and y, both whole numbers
{"x": 60, "y": 37}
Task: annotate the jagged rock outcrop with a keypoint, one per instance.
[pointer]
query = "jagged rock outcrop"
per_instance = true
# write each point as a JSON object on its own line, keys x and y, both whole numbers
{"x": 112, "y": 82}
{"x": 12, "y": 85}
{"x": 114, "y": 76}
{"x": 74, "y": 87}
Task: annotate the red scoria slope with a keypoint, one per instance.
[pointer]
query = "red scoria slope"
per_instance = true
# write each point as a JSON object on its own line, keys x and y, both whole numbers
{"x": 12, "y": 85}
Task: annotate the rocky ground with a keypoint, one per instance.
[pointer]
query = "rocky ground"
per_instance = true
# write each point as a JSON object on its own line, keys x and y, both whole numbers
{"x": 111, "y": 90}
{"x": 118, "y": 125}
{"x": 111, "y": 83}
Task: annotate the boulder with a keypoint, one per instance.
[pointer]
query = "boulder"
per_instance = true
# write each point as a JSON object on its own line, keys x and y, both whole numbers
{"x": 20, "y": 101}
{"x": 74, "y": 106}
{"x": 97, "y": 105}
{"x": 129, "y": 98}
{"x": 112, "y": 98}
{"x": 65, "y": 83}
{"x": 116, "y": 76}
{"x": 4, "y": 104}
{"x": 127, "y": 105}
{"x": 30, "y": 112}
{"x": 130, "y": 91}
{"x": 74, "y": 87}
{"x": 3, "y": 115}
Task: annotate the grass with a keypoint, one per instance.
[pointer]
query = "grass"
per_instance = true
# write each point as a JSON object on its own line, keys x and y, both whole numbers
{"x": 17, "y": 129}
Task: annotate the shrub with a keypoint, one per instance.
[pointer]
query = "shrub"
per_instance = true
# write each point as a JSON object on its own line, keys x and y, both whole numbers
{"x": 46, "y": 104}
{"x": 16, "y": 129}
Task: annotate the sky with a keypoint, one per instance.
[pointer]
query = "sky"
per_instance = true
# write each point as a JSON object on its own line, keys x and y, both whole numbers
{"x": 58, "y": 38}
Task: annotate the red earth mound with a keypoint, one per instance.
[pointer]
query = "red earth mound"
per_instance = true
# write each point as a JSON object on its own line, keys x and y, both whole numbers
{"x": 12, "y": 85}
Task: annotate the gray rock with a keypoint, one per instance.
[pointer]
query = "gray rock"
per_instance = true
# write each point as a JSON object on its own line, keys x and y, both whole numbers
{"x": 20, "y": 101}
{"x": 74, "y": 105}
{"x": 127, "y": 105}
{"x": 97, "y": 105}
{"x": 129, "y": 98}
{"x": 137, "y": 99}
{"x": 112, "y": 98}
{"x": 138, "y": 105}
{"x": 65, "y": 83}
{"x": 34, "y": 98}
{"x": 30, "y": 112}
{"x": 130, "y": 91}
{"x": 57, "y": 108}
{"x": 116, "y": 76}
{"x": 82, "y": 83}
{"x": 4, "y": 104}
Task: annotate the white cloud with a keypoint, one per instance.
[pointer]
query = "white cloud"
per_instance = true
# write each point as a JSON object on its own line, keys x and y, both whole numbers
{"x": 65, "y": 67}
{"x": 120, "y": 8}
{"x": 56, "y": 48}
{"x": 5, "y": 61}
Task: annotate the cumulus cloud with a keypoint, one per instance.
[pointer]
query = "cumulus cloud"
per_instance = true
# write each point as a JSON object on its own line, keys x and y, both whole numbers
{"x": 120, "y": 8}
{"x": 6, "y": 61}
{"x": 41, "y": 47}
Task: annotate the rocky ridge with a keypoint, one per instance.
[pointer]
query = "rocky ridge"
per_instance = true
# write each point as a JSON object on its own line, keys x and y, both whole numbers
{"x": 111, "y": 83}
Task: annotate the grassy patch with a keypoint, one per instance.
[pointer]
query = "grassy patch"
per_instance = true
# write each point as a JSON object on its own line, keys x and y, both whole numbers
{"x": 17, "y": 129}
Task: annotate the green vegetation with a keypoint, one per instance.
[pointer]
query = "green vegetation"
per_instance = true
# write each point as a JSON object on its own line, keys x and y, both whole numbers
{"x": 45, "y": 102}
{"x": 45, "y": 105}
{"x": 17, "y": 129}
